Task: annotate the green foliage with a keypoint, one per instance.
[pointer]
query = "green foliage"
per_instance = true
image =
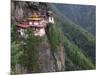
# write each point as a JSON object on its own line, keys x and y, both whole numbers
{"x": 16, "y": 52}
{"x": 24, "y": 50}
{"x": 76, "y": 55}
{"x": 55, "y": 41}
{"x": 77, "y": 35}
{"x": 82, "y": 40}
{"x": 70, "y": 65}
{"x": 29, "y": 57}
{"x": 79, "y": 44}
{"x": 53, "y": 36}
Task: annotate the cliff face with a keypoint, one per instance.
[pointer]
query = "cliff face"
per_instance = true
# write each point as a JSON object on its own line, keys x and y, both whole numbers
{"x": 20, "y": 10}
{"x": 38, "y": 55}
{"x": 50, "y": 61}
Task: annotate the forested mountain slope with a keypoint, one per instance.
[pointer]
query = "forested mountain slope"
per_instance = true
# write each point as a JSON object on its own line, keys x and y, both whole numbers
{"x": 82, "y": 15}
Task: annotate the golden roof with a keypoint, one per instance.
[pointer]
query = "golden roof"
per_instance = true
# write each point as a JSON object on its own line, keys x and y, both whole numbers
{"x": 35, "y": 17}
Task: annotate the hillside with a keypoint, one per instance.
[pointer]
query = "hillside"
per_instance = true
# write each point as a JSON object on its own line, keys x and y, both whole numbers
{"x": 84, "y": 40}
{"x": 82, "y": 15}
{"x": 65, "y": 47}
